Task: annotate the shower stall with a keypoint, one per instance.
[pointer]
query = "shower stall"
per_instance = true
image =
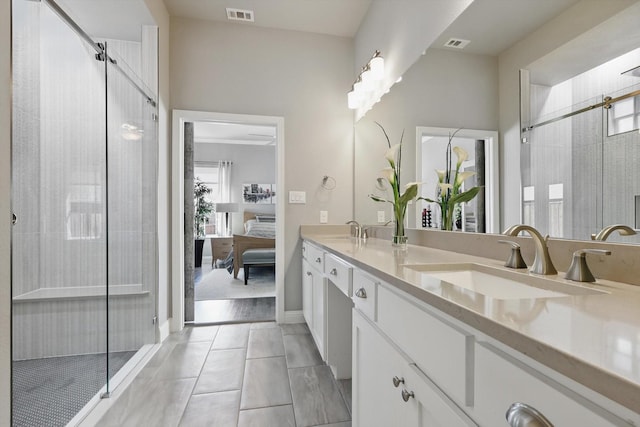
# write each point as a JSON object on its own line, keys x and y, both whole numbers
{"x": 84, "y": 185}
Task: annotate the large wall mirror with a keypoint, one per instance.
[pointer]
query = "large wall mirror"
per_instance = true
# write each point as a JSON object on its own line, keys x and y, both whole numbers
{"x": 572, "y": 176}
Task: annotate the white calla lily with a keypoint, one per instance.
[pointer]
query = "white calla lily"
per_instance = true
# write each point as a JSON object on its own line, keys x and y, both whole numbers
{"x": 444, "y": 187}
{"x": 392, "y": 154}
{"x": 388, "y": 174}
{"x": 462, "y": 176}
{"x": 461, "y": 153}
{"x": 440, "y": 174}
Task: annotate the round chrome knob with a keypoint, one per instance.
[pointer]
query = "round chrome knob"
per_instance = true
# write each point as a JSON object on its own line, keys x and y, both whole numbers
{"x": 318, "y": 260}
{"x": 308, "y": 273}
{"x": 523, "y": 415}
{"x": 397, "y": 381}
{"x": 333, "y": 272}
{"x": 406, "y": 395}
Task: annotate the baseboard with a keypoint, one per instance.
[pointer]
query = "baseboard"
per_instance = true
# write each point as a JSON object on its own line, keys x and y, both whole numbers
{"x": 293, "y": 316}
{"x": 164, "y": 330}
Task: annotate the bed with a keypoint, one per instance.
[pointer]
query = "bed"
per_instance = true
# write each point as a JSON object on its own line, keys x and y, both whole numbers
{"x": 260, "y": 234}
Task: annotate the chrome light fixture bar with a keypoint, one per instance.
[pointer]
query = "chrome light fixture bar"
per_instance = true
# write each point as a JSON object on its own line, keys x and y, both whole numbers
{"x": 367, "y": 85}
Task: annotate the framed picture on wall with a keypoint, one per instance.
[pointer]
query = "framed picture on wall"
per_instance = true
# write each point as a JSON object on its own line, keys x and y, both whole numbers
{"x": 257, "y": 194}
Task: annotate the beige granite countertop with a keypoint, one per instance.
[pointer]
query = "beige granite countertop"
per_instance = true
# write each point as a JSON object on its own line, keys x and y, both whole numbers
{"x": 592, "y": 339}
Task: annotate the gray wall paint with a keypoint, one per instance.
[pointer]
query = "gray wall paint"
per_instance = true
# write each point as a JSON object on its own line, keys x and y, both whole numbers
{"x": 442, "y": 89}
{"x": 5, "y": 212}
{"x": 251, "y": 164}
{"x": 302, "y": 77}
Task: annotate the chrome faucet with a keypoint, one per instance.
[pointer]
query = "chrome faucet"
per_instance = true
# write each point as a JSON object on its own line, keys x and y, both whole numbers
{"x": 624, "y": 230}
{"x": 542, "y": 263}
{"x": 358, "y": 228}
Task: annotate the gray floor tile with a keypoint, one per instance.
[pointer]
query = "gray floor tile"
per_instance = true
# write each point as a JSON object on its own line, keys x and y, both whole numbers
{"x": 232, "y": 336}
{"x": 295, "y": 328}
{"x": 275, "y": 416}
{"x": 222, "y": 371}
{"x": 194, "y": 334}
{"x": 150, "y": 403}
{"x": 263, "y": 325}
{"x": 266, "y": 383}
{"x": 185, "y": 361}
{"x": 316, "y": 398}
{"x": 345, "y": 391}
{"x": 213, "y": 409}
{"x": 344, "y": 424}
{"x": 265, "y": 343}
{"x": 301, "y": 351}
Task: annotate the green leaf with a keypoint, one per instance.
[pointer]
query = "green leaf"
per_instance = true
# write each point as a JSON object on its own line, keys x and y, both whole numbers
{"x": 378, "y": 199}
{"x": 465, "y": 197}
{"x": 409, "y": 194}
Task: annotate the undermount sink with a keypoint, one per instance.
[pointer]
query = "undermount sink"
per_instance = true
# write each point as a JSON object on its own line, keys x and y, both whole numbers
{"x": 495, "y": 283}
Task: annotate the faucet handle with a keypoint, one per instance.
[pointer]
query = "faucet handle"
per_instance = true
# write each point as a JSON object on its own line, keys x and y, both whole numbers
{"x": 515, "y": 259}
{"x": 579, "y": 270}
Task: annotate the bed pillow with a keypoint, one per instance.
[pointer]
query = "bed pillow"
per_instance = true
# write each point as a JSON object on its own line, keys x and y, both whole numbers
{"x": 247, "y": 225}
{"x": 262, "y": 229}
{"x": 266, "y": 218}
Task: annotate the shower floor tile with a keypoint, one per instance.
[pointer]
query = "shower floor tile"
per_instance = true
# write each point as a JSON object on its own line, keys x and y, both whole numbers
{"x": 50, "y": 392}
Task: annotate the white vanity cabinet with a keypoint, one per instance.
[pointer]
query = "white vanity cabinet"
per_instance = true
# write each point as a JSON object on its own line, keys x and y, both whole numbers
{"x": 458, "y": 376}
{"x": 314, "y": 290}
{"x": 389, "y": 390}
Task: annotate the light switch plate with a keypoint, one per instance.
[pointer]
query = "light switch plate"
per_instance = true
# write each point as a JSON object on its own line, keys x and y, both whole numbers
{"x": 324, "y": 217}
{"x": 299, "y": 197}
{"x": 381, "y": 217}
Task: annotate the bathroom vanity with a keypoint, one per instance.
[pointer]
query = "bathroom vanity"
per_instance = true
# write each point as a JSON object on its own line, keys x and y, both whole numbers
{"x": 448, "y": 339}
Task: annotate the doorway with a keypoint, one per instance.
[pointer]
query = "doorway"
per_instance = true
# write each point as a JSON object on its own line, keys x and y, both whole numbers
{"x": 239, "y": 158}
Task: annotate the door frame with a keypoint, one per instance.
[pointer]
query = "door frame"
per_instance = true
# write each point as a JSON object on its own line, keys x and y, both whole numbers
{"x": 179, "y": 118}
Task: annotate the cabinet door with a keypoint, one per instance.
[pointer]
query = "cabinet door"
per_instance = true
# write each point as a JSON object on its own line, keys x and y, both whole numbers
{"x": 319, "y": 311}
{"x": 376, "y": 402}
{"x": 307, "y": 293}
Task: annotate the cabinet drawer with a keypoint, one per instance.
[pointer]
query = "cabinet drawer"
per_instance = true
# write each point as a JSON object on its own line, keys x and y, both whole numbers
{"x": 339, "y": 272}
{"x": 314, "y": 255}
{"x": 222, "y": 244}
{"x": 365, "y": 294}
{"x": 501, "y": 380}
{"x": 441, "y": 351}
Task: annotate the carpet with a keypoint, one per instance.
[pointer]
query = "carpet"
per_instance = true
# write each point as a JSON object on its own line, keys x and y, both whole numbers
{"x": 219, "y": 284}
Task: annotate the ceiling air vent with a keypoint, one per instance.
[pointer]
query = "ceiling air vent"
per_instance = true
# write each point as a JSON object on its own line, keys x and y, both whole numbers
{"x": 240, "y": 15}
{"x": 457, "y": 43}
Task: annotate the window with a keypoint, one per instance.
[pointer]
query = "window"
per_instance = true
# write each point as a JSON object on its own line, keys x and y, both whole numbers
{"x": 528, "y": 201}
{"x": 624, "y": 116}
{"x": 556, "y": 208}
{"x": 208, "y": 174}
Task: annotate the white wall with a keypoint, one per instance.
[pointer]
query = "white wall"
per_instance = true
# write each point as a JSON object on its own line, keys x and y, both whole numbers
{"x": 251, "y": 164}
{"x": 559, "y": 31}
{"x": 442, "y": 89}
{"x": 5, "y": 212}
{"x": 232, "y": 68}
{"x": 161, "y": 17}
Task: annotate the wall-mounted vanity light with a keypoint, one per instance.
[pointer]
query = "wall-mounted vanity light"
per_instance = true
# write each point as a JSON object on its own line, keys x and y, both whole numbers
{"x": 366, "y": 89}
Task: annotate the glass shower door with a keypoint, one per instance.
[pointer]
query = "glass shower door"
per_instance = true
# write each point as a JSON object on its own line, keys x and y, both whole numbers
{"x": 59, "y": 331}
{"x": 132, "y": 159}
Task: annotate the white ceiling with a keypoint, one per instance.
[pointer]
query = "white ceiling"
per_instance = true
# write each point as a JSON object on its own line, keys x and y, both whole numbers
{"x": 335, "y": 17}
{"x": 233, "y": 133}
{"x": 493, "y": 26}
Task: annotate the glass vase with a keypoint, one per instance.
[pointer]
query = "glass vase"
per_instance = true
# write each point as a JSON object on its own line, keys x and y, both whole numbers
{"x": 399, "y": 242}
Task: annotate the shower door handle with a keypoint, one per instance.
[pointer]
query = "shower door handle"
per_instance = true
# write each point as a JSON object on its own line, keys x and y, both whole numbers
{"x": 14, "y": 219}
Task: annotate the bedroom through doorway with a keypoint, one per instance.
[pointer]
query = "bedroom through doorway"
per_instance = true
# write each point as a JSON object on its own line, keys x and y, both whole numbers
{"x": 230, "y": 179}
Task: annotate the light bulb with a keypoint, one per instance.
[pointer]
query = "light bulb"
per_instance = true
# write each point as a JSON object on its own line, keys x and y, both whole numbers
{"x": 376, "y": 65}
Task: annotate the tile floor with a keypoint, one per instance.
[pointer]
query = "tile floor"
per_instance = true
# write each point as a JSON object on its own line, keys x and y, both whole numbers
{"x": 250, "y": 374}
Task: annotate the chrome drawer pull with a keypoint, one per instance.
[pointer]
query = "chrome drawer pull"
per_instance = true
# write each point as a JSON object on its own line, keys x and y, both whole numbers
{"x": 397, "y": 381}
{"x": 308, "y": 273}
{"x": 523, "y": 415}
{"x": 361, "y": 293}
{"x": 406, "y": 395}
{"x": 318, "y": 260}
{"x": 333, "y": 272}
